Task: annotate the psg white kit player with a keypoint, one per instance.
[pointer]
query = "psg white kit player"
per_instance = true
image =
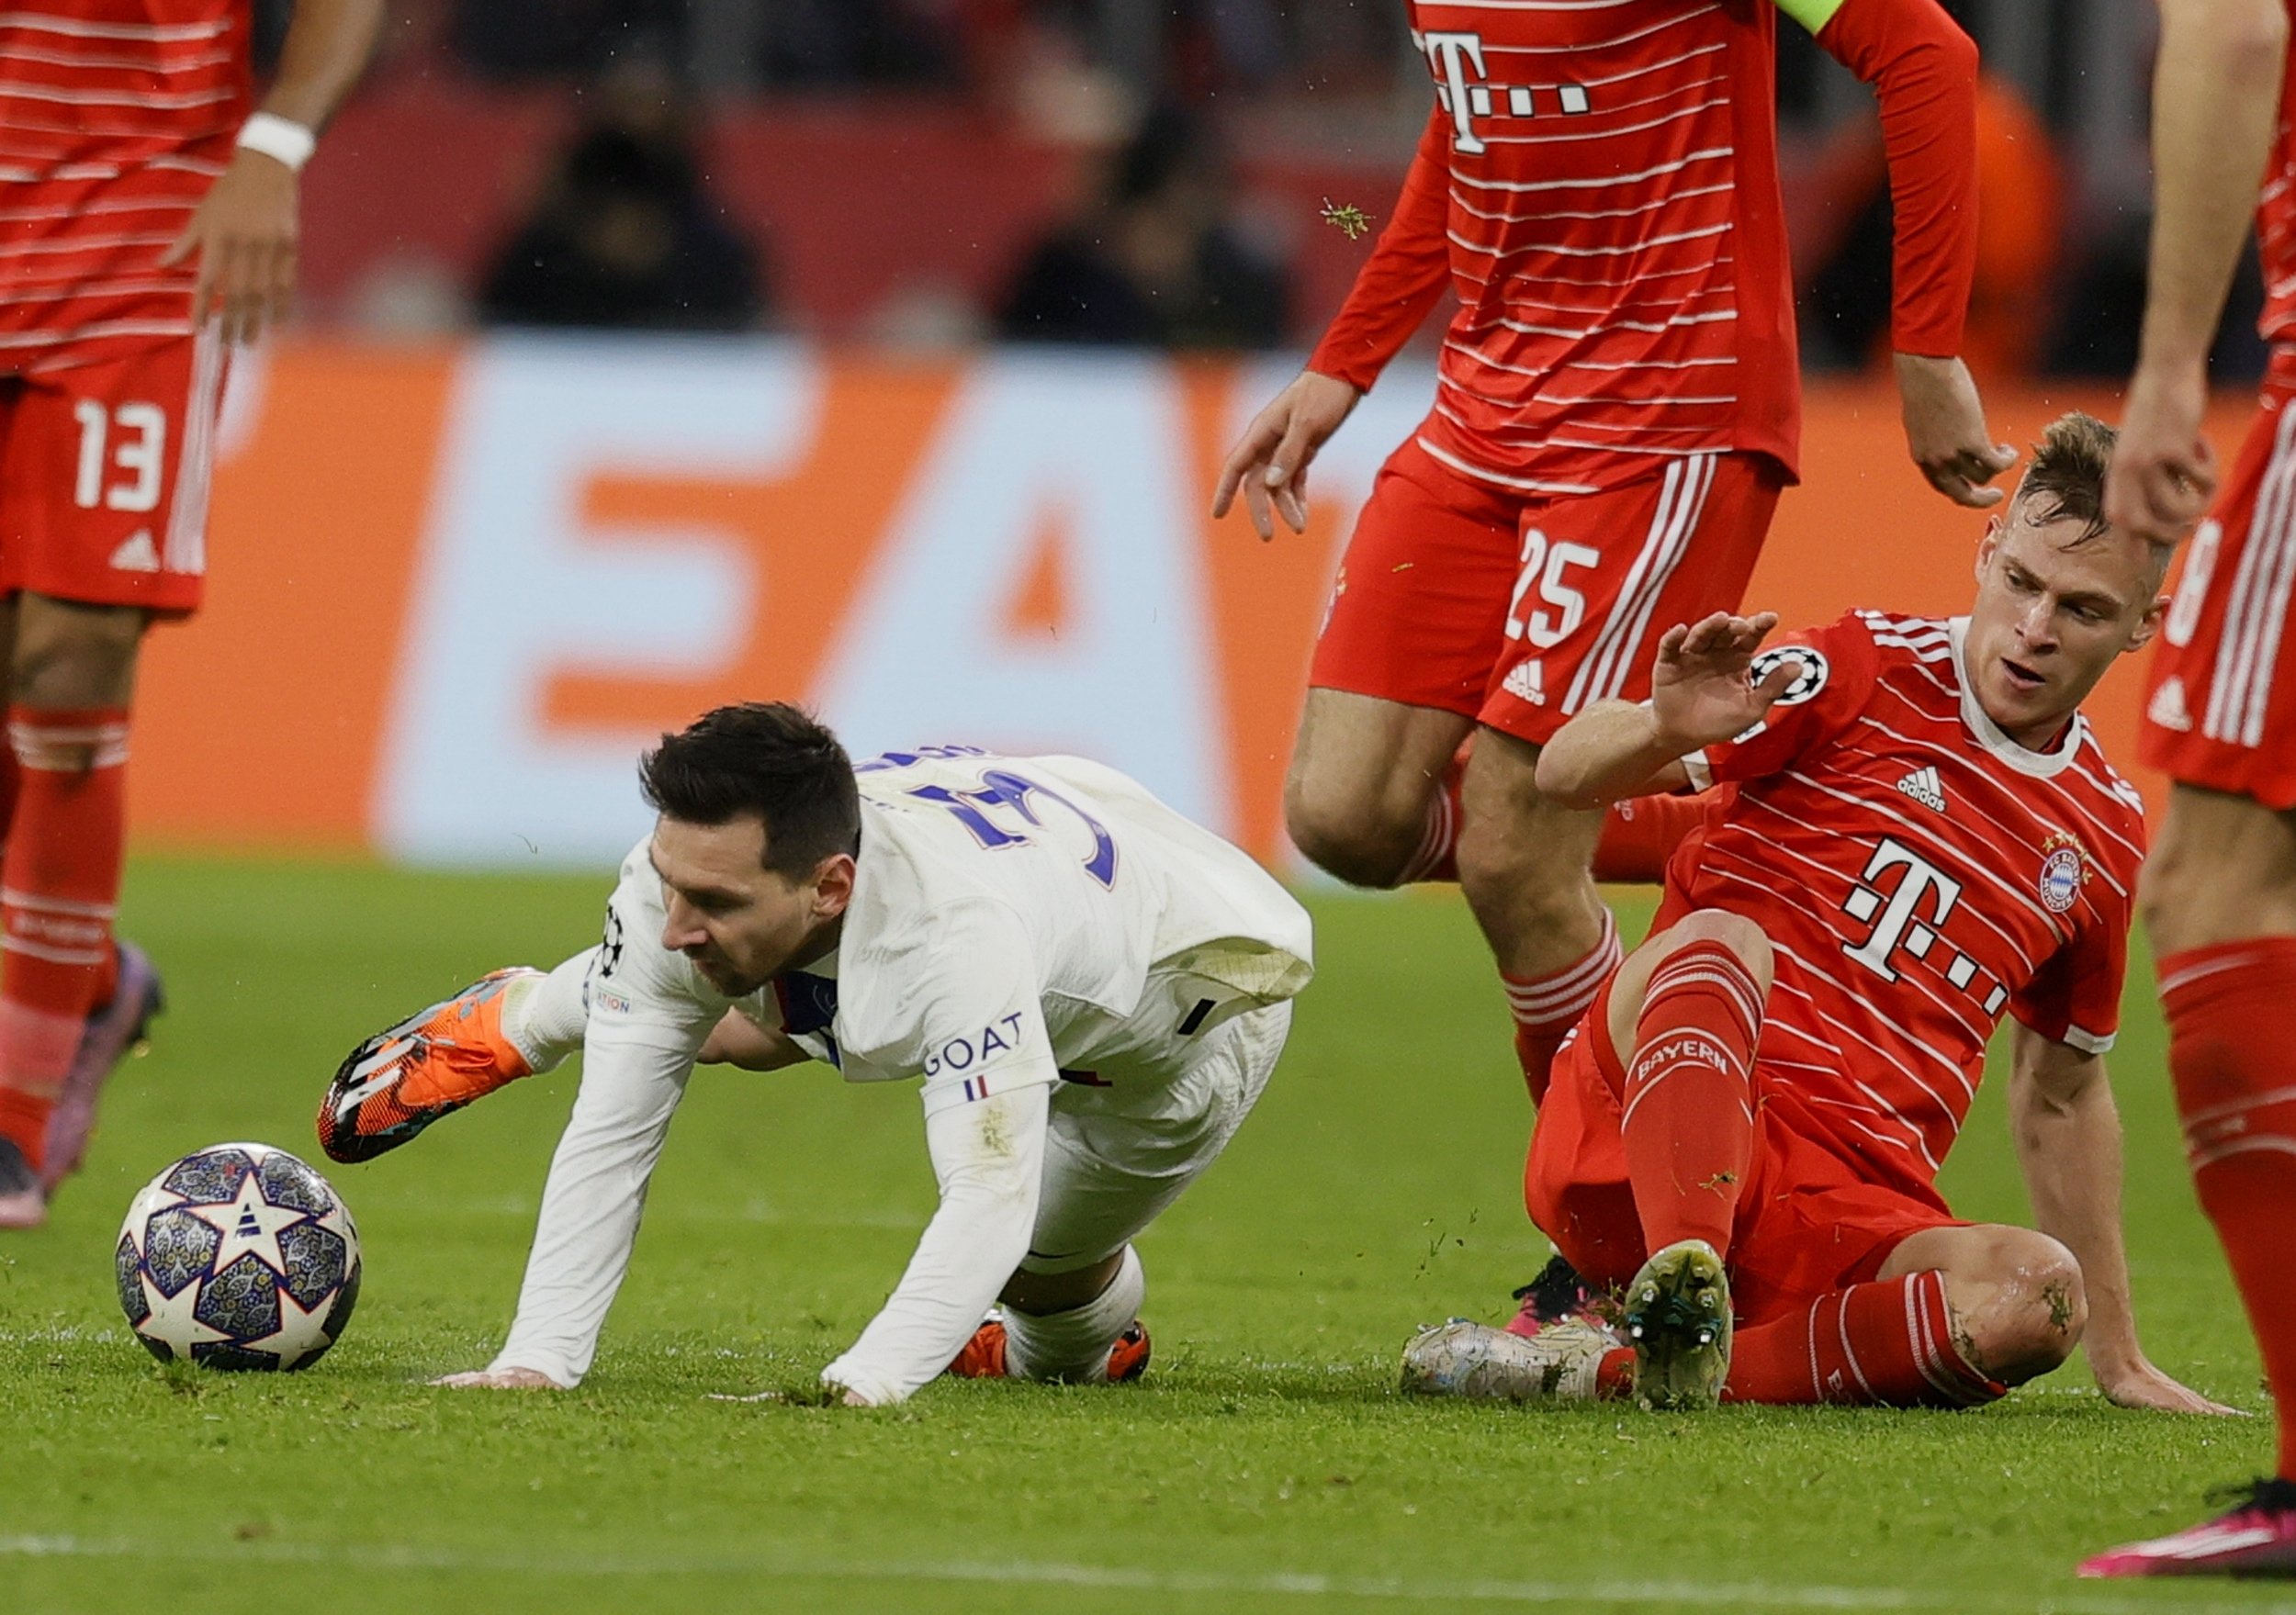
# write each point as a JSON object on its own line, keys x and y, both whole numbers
{"x": 1093, "y": 990}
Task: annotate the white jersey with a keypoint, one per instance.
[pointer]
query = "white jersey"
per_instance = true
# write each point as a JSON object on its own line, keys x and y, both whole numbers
{"x": 1015, "y": 922}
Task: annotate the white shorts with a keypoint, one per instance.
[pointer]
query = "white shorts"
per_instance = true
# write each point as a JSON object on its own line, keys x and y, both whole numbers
{"x": 1116, "y": 1157}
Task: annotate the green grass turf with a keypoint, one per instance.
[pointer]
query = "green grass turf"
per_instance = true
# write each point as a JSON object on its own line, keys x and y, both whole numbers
{"x": 1266, "y": 1465}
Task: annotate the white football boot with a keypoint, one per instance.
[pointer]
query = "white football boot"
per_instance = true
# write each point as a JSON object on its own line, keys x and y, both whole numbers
{"x": 1561, "y": 1364}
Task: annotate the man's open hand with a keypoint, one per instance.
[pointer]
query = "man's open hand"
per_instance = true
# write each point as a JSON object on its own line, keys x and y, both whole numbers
{"x": 1270, "y": 461}
{"x": 2137, "y": 1383}
{"x": 243, "y": 235}
{"x": 1700, "y": 693}
{"x": 2163, "y": 470}
{"x": 1945, "y": 431}
{"x": 498, "y": 1379}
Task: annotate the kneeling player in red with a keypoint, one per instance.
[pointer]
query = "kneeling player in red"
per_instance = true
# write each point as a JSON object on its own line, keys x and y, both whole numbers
{"x": 1743, "y": 1135}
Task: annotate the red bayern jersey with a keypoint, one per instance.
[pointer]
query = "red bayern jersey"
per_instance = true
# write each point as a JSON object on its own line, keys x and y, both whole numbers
{"x": 1920, "y": 875}
{"x": 116, "y": 115}
{"x": 1598, "y": 182}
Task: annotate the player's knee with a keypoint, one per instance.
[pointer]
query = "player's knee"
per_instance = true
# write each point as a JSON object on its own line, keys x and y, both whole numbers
{"x": 73, "y": 658}
{"x": 2024, "y": 1306}
{"x": 1741, "y": 936}
{"x": 1353, "y": 830}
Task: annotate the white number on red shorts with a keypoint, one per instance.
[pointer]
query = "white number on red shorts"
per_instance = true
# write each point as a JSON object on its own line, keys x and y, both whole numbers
{"x": 1544, "y": 565}
{"x": 140, "y": 455}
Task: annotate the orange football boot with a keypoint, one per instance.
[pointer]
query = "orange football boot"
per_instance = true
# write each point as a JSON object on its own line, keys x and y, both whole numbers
{"x": 429, "y": 1065}
{"x": 984, "y": 1354}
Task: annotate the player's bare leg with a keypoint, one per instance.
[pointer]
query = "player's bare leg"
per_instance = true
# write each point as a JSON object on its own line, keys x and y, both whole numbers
{"x": 1078, "y": 1327}
{"x": 2219, "y": 900}
{"x": 1366, "y": 775}
{"x": 1523, "y": 865}
{"x": 71, "y": 677}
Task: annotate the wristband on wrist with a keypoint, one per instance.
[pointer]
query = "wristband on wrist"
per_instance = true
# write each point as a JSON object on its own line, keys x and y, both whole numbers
{"x": 280, "y": 139}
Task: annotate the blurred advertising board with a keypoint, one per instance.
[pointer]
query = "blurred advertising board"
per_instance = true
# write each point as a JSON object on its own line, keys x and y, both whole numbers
{"x": 455, "y": 591}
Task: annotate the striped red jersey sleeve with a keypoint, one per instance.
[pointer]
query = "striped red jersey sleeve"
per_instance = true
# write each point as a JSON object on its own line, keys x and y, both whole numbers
{"x": 1405, "y": 275}
{"x": 115, "y": 117}
{"x": 1924, "y": 72}
{"x": 1599, "y": 185}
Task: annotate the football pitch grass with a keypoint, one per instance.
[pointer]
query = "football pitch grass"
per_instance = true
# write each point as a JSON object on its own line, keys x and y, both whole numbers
{"x": 1266, "y": 1463}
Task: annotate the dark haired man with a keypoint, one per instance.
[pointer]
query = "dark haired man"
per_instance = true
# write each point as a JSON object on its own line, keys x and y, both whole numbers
{"x": 1094, "y": 990}
{"x": 1745, "y": 1132}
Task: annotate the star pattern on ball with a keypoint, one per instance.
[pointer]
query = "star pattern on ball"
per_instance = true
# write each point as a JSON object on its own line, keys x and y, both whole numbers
{"x": 249, "y": 1224}
{"x": 297, "y": 1337}
{"x": 174, "y": 1323}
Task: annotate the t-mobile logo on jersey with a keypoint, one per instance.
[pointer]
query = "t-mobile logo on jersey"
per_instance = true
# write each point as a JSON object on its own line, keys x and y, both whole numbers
{"x": 1901, "y": 922}
{"x": 1452, "y": 57}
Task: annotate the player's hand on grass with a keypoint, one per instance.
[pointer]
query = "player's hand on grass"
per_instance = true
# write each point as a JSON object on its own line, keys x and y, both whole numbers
{"x": 243, "y": 235}
{"x": 498, "y": 1379}
{"x": 1270, "y": 461}
{"x": 1700, "y": 691}
{"x": 1946, "y": 433}
{"x": 2163, "y": 472}
{"x": 2140, "y": 1384}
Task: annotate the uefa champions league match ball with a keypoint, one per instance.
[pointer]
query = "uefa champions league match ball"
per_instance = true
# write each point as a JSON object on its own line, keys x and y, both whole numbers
{"x": 238, "y": 1256}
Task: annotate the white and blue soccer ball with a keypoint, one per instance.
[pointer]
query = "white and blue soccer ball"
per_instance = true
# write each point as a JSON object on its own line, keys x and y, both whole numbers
{"x": 238, "y": 1256}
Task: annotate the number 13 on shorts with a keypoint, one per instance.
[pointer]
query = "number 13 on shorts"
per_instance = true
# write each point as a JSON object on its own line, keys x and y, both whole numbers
{"x": 104, "y": 477}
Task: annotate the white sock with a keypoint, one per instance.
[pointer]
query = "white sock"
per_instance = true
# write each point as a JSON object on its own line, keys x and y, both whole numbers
{"x": 1073, "y": 1346}
{"x": 544, "y": 1017}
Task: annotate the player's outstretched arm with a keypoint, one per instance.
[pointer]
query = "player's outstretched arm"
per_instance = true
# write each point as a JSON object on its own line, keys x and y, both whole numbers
{"x": 1402, "y": 279}
{"x": 2216, "y": 91}
{"x": 1923, "y": 68}
{"x": 988, "y": 1156}
{"x": 2067, "y": 1135}
{"x": 1701, "y": 695}
{"x": 633, "y": 1077}
{"x": 243, "y": 233}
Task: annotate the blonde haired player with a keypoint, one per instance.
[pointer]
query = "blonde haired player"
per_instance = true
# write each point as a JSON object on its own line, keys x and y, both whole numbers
{"x": 1093, "y": 990}
{"x": 1924, "y": 839}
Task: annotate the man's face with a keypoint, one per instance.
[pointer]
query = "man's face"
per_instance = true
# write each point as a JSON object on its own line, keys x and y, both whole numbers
{"x": 740, "y": 923}
{"x": 2050, "y": 617}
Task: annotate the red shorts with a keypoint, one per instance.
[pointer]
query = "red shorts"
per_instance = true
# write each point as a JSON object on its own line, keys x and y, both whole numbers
{"x": 1809, "y": 1220}
{"x": 2221, "y": 712}
{"x": 1518, "y": 610}
{"x": 103, "y": 473}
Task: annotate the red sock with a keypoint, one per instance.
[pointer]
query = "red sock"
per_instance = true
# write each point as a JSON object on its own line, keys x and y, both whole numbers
{"x": 1641, "y": 832}
{"x": 2232, "y": 1028}
{"x": 1547, "y": 1007}
{"x": 1438, "y": 858}
{"x": 59, "y": 887}
{"x": 1687, "y": 1114}
{"x": 1889, "y": 1343}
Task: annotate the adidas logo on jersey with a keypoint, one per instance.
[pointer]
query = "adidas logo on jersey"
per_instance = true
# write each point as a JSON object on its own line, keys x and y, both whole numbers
{"x": 1527, "y": 682}
{"x": 1926, "y": 788}
{"x": 2167, "y": 708}
{"x": 137, "y": 555}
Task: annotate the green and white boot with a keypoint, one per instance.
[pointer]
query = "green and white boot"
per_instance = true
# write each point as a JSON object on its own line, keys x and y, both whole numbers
{"x": 1677, "y": 1318}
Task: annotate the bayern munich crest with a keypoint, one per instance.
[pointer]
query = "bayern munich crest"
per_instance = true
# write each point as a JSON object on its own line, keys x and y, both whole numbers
{"x": 2061, "y": 872}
